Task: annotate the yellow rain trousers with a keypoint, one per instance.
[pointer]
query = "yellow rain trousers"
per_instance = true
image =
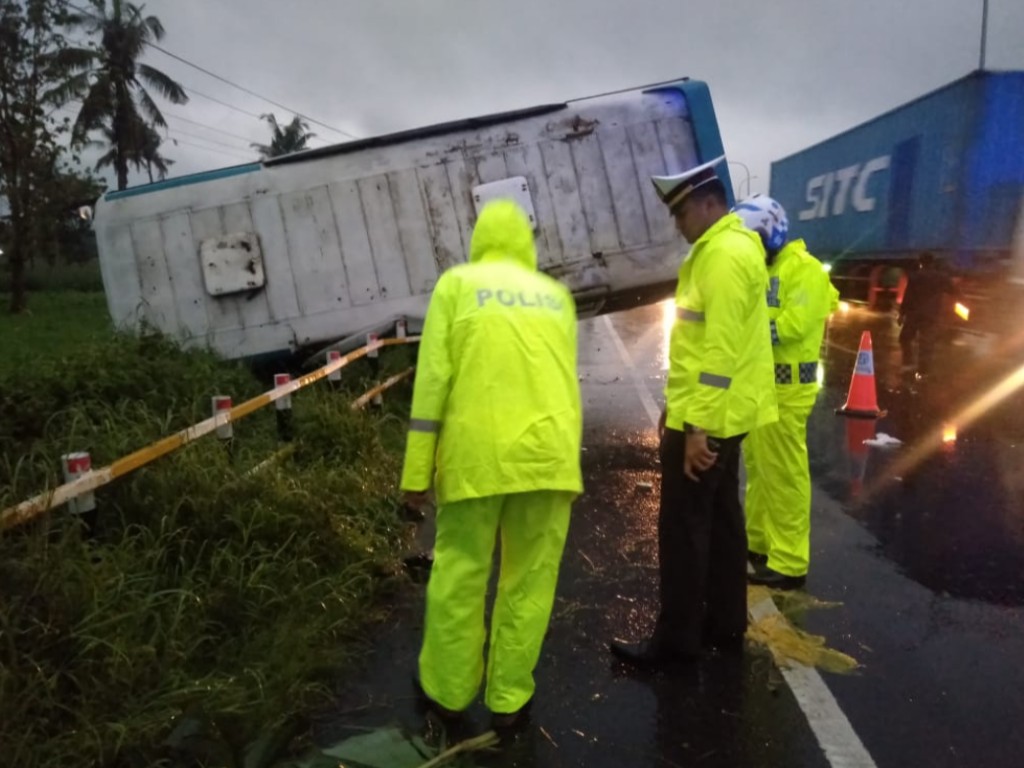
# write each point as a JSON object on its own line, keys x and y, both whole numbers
{"x": 778, "y": 502}
{"x": 533, "y": 527}
{"x": 495, "y": 430}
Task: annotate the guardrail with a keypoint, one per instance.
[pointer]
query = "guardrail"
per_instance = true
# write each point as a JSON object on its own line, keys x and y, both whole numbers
{"x": 86, "y": 480}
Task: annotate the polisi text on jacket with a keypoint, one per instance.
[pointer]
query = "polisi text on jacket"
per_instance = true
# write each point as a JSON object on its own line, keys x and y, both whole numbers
{"x": 519, "y": 299}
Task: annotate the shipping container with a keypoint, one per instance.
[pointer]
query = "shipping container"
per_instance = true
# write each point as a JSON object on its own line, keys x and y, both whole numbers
{"x": 309, "y": 248}
{"x": 943, "y": 173}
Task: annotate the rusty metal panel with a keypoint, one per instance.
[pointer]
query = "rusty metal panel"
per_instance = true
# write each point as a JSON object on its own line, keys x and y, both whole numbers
{"x": 282, "y": 301}
{"x": 232, "y": 264}
{"x": 445, "y": 234}
{"x": 627, "y": 200}
{"x": 315, "y": 251}
{"x": 356, "y": 236}
{"x": 462, "y": 200}
{"x": 526, "y": 161}
{"x": 186, "y": 282}
{"x": 157, "y": 305}
{"x": 359, "y": 266}
{"x": 595, "y": 195}
{"x": 385, "y": 244}
{"x": 565, "y": 197}
{"x": 413, "y": 231}
{"x": 120, "y": 273}
{"x": 649, "y": 161}
{"x": 205, "y": 224}
{"x": 490, "y": 167}
{"x": 253, "y": 308}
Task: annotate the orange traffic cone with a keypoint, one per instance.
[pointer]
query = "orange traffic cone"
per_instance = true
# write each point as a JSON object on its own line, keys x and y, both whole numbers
{"x": 862, "y": 402}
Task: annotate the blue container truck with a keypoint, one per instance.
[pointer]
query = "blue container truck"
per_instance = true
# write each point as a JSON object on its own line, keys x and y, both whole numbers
{"x": 943, "y": 173}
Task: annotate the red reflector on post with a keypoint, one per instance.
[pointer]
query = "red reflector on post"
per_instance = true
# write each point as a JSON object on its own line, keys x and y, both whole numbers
{"x": 282, "y": 403}
{"x": 221, "y": 404}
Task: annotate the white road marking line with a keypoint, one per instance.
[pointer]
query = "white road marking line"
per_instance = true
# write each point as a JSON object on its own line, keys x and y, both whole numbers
{"x": 641, "y": 389}
{"x": 836, "y": 737}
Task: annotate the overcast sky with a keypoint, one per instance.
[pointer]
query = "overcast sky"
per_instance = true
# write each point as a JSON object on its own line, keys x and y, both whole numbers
{"x": 784, "y": 74}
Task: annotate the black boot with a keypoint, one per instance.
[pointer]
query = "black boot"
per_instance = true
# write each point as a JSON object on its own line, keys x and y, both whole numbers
{"x": 507, "y": 724}
{"x": 766, "y": 577}
{"x": 756, "y": 558}
{"x": 651, "y": 652}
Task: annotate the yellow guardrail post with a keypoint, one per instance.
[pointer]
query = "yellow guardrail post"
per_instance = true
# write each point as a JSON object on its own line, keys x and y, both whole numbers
{"x": 221, "y": 422}
{"x": 283, "y": 410}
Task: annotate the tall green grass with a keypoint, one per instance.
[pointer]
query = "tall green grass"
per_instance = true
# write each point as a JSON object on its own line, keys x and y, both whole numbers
{"x": 56, "y": 325}
{"x": 204, "y": 593}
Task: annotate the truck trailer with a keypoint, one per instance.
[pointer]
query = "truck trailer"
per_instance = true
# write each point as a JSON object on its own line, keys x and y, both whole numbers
{"x": 310, "y": 248}
{"x": 943, "y": 173}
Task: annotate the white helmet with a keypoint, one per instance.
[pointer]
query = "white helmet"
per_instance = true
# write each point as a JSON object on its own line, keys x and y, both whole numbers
{"x": 766, "y": 217}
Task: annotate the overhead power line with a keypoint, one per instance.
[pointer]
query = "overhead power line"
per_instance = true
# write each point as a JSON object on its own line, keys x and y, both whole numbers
{"x": 65, "y": 108}
{"x": 194, "y": 92}
{"x": 203, "y": 138}
{"x": 242, "y": 88}
{"x": 223, "y": 103}
{"x": 234, "y": 155}
{"x": 209, "y": 127}
{"x": 223, "y": 79}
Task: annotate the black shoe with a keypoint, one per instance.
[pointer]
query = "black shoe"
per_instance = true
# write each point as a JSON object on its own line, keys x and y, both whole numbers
{"x": 420, "y": 561}
{"x": 426, "y": 703}
{"x": 410, "y": 515}
{"x": 756, "y": 558}
{"x": 648, "y": 653}
{"x": 508, "y": 723}
{"x": 766, "y": 577}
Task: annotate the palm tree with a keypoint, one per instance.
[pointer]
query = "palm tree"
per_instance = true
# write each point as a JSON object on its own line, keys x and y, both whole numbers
{"x": 149, "y": 155}
{"x": 115, "y": 83}
{"x": 283, "y": 141}
{"x": 146, "y": 157}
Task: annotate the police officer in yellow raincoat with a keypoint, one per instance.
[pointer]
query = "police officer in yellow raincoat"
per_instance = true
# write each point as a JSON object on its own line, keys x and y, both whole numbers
{"x": 800, "y": 299}
{"x": 720, "y": 387}
{"x": 495, "y": 429}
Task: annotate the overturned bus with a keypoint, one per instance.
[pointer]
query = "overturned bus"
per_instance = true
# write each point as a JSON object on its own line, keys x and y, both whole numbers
{"x": 311, "y": 248}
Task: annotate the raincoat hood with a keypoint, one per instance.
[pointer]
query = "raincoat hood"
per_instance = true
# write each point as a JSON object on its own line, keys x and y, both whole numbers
{"x": 503, "y": 231}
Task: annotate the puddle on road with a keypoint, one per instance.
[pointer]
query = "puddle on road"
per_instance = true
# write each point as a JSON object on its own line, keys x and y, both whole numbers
{"x": 947, "y": 504}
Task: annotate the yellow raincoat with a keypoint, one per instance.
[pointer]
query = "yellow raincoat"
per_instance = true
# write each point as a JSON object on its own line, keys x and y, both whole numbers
{"x": 496, "y": 411}
{"x": 720, "y": 371}
{"x": 778, "y": 503}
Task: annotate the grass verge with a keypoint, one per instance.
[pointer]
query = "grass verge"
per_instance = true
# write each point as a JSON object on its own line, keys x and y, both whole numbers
{"x": 56, "y": 325}
{"x": 204, "y": 593}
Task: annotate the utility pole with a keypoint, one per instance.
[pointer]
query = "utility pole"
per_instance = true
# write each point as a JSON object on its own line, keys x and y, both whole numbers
{"x": 745, "y": 168}
{"x": 984, "y": 32}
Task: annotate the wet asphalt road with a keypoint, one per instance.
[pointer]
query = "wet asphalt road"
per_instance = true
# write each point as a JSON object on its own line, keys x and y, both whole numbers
{"x": 923, "y": 548}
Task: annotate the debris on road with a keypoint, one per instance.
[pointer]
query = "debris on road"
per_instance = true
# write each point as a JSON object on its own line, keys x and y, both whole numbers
{"x": 791, "y": 646}
{"x": 882, "y": 440}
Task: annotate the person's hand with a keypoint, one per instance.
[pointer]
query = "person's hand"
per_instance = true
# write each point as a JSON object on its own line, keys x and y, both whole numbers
{"x": 415, "y": 500}
{"x": 699, "y": 458}
{"x": 661, "y": 424}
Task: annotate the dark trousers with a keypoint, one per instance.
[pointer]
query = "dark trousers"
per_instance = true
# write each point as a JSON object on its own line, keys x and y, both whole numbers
{"x": 926, "y": 334}
{"x": 702, "y": 548}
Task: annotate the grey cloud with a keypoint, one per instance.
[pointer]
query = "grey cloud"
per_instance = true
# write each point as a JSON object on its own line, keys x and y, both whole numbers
{"x": 784, "y": 74}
